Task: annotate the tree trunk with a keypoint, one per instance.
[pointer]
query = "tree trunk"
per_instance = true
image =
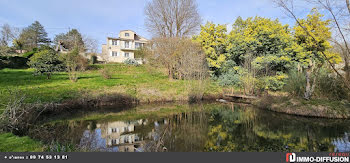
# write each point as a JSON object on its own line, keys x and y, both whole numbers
{"x": 348, "y": 5}
{"x": 308, "y": 89}
{"x": 170, "y": 73}
{"x": 346, "y": 66}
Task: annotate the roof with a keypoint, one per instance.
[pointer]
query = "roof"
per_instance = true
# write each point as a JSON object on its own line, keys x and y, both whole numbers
{"x": 127, "y": 30}
{"x": 114, "y": 38}
{"x": 118, "y": 38}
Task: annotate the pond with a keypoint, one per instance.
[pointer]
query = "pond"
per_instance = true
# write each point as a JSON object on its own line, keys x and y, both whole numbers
{"x": 196, "y": 128}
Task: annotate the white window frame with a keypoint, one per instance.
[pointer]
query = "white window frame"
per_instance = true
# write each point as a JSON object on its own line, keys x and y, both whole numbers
{"x": 127, "y": 54}
{"x": 115, "y": 42}
{"x": 127, "y": 34}
{"x": 127, "y": 43}
{"x": 115, "y": 53}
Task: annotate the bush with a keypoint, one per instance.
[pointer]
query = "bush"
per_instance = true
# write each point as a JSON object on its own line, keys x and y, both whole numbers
{"x": 83, "y": 63}
{"x": 330, "y": 87}
{"x": 74, "y": 63}
{"x": 17, "y": 115}
{"x": 28, "y": 54}
{"x": 106, "y": 72}
{"x": 45, "y": 62}
{"x": 295, "y": 84}
{"x": 130, "y": 61}
{"x": 274, "y": 83}
{"x": 196, "y": 90}
{"x": 14, "y": 62}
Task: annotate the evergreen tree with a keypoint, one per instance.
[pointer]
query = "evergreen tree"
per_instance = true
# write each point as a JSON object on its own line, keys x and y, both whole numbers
{"x": 34, "y": 36}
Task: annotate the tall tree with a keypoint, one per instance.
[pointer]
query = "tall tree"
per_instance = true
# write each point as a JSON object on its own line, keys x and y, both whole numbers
{"x": 268, "y": 41}
{"x": 70, "y": 40}
{"x": 213, "y": 40}
{"x": 312, "y": 36}
{"x": 7, "y": 34}
{"x": 337, "y": 12}
{"x": 288, "y": 6}
{"x": 182, "y": 57}
{"x": 172, "y": 18}
{"x": 34, "y": 35}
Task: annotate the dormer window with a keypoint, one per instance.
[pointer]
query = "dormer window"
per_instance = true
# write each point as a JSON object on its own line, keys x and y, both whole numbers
{"x": 127, "y": 34}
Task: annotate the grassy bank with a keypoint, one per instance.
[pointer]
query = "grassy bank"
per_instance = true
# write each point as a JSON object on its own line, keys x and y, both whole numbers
{"x": 139, "y": 82}
{"x": 12, "y": 143}
{"x": 322, "y": 108}
{"x": 143, "y": 83}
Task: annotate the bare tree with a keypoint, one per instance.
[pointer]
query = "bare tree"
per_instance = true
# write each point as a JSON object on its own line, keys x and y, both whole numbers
{"x": 182, "y": 58}
{"x": 7, "y": 34}
{"x": 91, "y": 44}
{"x": 164, "y": 53}
{"x": 172, "y": 18}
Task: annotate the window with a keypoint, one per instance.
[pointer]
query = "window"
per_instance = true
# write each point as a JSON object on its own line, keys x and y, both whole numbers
{"x": 126, "y": 55}
{"x": 126, "y": 44}
{"x": 137, "y": 45}
{"x": 115, "y": 42}
{"x": 115, "y": 130}
{"x": 114, "y": 54}
{"x": 115, "y": 141}
{"x": 127, "y": 34}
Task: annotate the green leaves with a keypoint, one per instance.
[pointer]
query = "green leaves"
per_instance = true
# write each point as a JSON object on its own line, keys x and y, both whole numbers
{"x": 266, "y": 39}
{"x": 33, "y": 36}
{"x": 45, "y": 62}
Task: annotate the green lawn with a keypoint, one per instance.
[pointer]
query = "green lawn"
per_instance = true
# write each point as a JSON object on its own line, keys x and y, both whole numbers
{"x": 140, "y": 82}
{"x": 12, "y": 143}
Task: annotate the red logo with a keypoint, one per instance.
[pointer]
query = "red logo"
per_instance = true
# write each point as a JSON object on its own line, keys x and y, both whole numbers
{"x": 290, "y": 157}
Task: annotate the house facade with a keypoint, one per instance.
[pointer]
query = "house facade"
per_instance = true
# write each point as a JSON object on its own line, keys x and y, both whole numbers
{"x": 124, "y": 47}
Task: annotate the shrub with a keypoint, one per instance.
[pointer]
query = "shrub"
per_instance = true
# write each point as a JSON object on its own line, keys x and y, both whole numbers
{"x": 274, "y": 83}
{"x": 28, "y": 54}
{"x": 229, "y": 79}
{"x": 74, "y": 63}
{"x": 13, "y": 62}
{"x": 83, "y": 63}
{"x": 17, "y": 115}
{"x": 196, "y": 89}
{"x": 45, "y": 62}
{"x": 130, "y": 61}
{"x": 106, "y": 72}
{"x": 330, "y": 87}
{"x": 327, "y": 86}
{"x": 295, "y": 84}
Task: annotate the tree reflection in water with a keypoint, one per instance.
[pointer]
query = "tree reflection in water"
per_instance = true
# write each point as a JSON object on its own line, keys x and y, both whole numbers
{"x": 212, "y": 127}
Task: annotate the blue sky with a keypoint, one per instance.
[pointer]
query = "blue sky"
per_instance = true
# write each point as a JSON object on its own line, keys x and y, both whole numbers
{"x": 102, "y": 18}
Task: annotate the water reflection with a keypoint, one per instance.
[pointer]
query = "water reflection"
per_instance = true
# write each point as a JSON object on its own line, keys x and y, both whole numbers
{"x": 215, "y": 128}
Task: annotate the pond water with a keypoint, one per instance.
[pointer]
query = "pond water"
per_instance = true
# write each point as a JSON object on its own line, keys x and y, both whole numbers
{"x": 197, "y": 128}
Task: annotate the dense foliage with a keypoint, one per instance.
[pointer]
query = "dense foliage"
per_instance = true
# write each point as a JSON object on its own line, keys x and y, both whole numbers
{"x": 45, "y": 62}
{"x": 32, "y": 37}
{"x": 259, "y": 53}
